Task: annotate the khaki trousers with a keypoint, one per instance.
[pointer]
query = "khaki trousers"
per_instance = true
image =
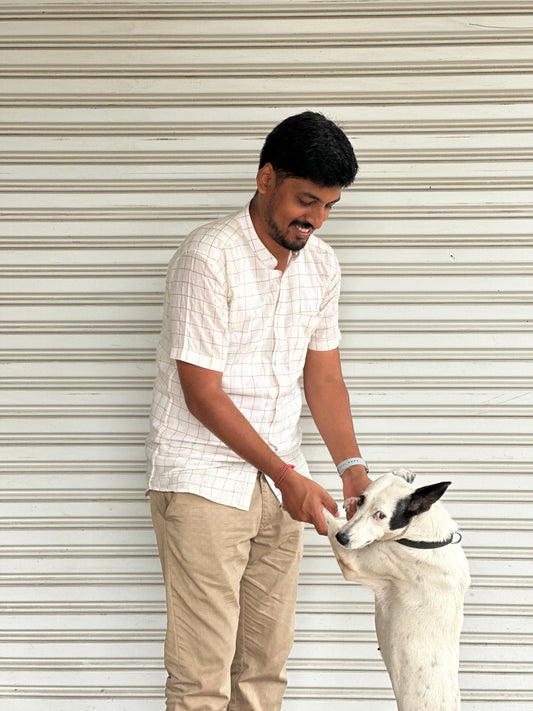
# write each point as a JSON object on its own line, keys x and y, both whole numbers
{"x": 231, "y": 580}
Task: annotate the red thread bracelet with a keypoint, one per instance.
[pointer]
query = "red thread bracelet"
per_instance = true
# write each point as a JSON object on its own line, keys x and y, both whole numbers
{"x": 281, "y": 475}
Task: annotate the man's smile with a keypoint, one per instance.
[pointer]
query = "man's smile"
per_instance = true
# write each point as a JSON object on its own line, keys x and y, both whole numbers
{"x": 304, "y": 229}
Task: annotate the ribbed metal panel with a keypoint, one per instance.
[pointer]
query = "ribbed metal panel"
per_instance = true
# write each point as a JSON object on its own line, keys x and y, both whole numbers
{"x": 125, "y": 125}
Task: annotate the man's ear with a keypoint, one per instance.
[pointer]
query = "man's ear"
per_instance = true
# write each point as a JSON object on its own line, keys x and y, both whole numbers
{"x": 266, "y": 178}
{"x": 423, "y": 498}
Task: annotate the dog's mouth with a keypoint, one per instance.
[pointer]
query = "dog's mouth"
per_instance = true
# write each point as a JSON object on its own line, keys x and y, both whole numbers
{"x": 344, "y": 539}
{"x": 345, "y": 542}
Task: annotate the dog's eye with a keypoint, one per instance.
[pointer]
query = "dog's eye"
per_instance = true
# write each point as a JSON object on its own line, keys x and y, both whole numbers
{"x": 379, "y": 516}
{"x": 360, "y": 501}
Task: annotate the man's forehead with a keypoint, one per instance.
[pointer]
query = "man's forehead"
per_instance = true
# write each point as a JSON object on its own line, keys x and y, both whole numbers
{"x": 317, "y": 192}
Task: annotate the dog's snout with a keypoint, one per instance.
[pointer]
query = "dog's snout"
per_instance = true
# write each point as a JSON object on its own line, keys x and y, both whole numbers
{"x": 342, "y": 538}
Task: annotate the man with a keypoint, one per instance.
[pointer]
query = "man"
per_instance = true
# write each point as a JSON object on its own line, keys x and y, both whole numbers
{"x": 251, "y": 302}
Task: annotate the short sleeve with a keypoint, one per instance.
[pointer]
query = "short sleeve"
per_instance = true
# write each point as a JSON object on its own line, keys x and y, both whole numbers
{"x": 197, "y": 310}
{"x": 326, "y": 336}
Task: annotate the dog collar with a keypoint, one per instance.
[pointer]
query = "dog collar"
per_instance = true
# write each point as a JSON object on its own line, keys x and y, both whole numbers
{"x": 430, "y": 544}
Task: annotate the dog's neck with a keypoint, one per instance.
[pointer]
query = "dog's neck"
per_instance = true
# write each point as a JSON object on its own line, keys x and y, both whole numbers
{"x": 435, "y": 525}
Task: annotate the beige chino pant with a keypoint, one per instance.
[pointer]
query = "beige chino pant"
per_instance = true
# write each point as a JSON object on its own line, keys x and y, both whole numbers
{"x": 231, "y": 580}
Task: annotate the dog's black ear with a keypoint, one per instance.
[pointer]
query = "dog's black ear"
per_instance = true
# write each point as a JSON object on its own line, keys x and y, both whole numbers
{"x": 420, "y": 500}
{"x": 423, "y": 498}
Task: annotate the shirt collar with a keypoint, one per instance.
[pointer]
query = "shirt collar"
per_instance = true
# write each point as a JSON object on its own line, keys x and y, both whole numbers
{"x": 259, "y": 249}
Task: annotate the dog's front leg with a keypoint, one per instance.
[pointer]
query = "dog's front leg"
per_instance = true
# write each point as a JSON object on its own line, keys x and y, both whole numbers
{"x": 347, "y": 560}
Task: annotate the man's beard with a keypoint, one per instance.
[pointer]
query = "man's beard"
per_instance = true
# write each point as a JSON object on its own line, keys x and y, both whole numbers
{"x": 283, "y": 238}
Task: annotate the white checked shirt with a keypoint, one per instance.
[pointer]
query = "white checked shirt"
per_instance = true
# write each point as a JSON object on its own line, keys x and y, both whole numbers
{"x": 228, "y": 309}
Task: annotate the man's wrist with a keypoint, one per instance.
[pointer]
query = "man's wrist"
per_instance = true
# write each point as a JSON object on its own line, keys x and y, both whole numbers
{"x": 282, "y": 474}
{"x": 351, "y": 462}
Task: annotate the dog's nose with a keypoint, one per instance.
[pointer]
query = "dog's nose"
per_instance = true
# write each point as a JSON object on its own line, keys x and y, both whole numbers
{"x": 342, "y": 538}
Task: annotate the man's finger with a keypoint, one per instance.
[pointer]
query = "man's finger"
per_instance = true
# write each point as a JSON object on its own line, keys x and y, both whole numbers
{"x": 351, "y": 507}
{"x": 330, "y": 504}
{"x": 321, "y": 525}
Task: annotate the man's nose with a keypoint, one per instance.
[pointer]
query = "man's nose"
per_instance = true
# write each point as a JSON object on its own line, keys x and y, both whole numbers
{"x": 317, "y": 215}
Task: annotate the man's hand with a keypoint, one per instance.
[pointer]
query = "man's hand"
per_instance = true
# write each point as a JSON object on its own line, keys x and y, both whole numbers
{"x": 354, "y": 481}
{"x": 304, "y": 500}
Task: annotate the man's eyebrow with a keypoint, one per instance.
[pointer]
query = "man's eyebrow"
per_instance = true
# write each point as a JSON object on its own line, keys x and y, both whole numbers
{"x": 315, "y": 197}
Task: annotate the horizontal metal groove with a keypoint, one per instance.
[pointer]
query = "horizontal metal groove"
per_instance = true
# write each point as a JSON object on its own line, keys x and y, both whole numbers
{"x": 186, "y": 186}
{"x": 401, "y": 37}
{"x": 245, "y": 157}
{"x": 482, "y": 468}
{"x": 129, "y": 495}
{"x": 477, "y": 553}
{"x": 453, "y": 267}
{"x": 503, "y": 237}
{"x": 138, "y": 607}
{"x": 229, "y": 10}
{"x": 381, "y": 384}
{"x": 422, "y": 439}
{"x": 59, "y": 327}
{"x": 478, "y": 581}
{"x": 130, "y": 300}
{"x": 181, "y": 70}
{"x": 150, "y": 100}
{"x": 510, "y": 409}
{"x": 76, "y": 523}
{"x": 326, "y": 694}
{"x": 357, "y": 325}
{"x": 137, "y": 497}
{"x": 144, "y": 522}
{"x": 88, "y": 327}
{"x": 89, "y": 271}
{"x": 360, "y": 354}
{"x": 142, "y": 636}
{"x": 102, "y": 552}
{"x": 432, "y": 297}
{"x": 438, "y": 354}
{"x": 72, "y": 664}
{"x": 95, "y": 299}
{"x": 74, "y": 466}
{"x": 78, "y": 552}
{"x": 458, "y": 494}
{"x": 127, "y": 440}
{"x": 80, "y": 692}
{"x": 437, "y": 326}
{"x": 74, "y": 608}
{"x": 159, "y": 214}
{"x": 258, "y": 129}
{"x": 78, "y": 355}
{"x": 80, "y": 495}
{"x": 308, "y": 693}
{"x": 329, "y": 664}
{"x": 294, "y": 663}
{"x": 103, "y": 383}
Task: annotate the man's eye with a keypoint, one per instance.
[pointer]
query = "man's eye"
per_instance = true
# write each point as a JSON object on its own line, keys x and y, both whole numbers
{"x": 304, "y": 203}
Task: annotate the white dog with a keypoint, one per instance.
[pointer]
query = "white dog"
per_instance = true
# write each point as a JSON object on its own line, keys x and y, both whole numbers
{"x": 399, "y": 543}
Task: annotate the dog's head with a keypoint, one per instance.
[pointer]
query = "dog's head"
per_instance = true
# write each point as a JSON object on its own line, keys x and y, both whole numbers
{"x": 385, "y": 510}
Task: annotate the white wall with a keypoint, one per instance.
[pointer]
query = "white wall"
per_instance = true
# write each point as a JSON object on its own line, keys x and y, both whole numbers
{"x": 123, "y": 126}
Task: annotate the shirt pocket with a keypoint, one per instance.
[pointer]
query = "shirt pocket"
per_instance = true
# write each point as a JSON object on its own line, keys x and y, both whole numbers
{"x": 250, "y": 323}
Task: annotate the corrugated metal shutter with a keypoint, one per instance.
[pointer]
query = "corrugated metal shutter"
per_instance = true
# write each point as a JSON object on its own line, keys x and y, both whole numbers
{"x": 123, "y": 126}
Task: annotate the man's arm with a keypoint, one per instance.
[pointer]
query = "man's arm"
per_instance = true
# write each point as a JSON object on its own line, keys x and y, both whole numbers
{"x": 303, "y": 498}
{"x": 329, "y": 402}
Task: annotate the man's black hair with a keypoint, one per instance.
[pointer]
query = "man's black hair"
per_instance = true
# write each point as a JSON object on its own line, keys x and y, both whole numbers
{"x": 310, "y": 146}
